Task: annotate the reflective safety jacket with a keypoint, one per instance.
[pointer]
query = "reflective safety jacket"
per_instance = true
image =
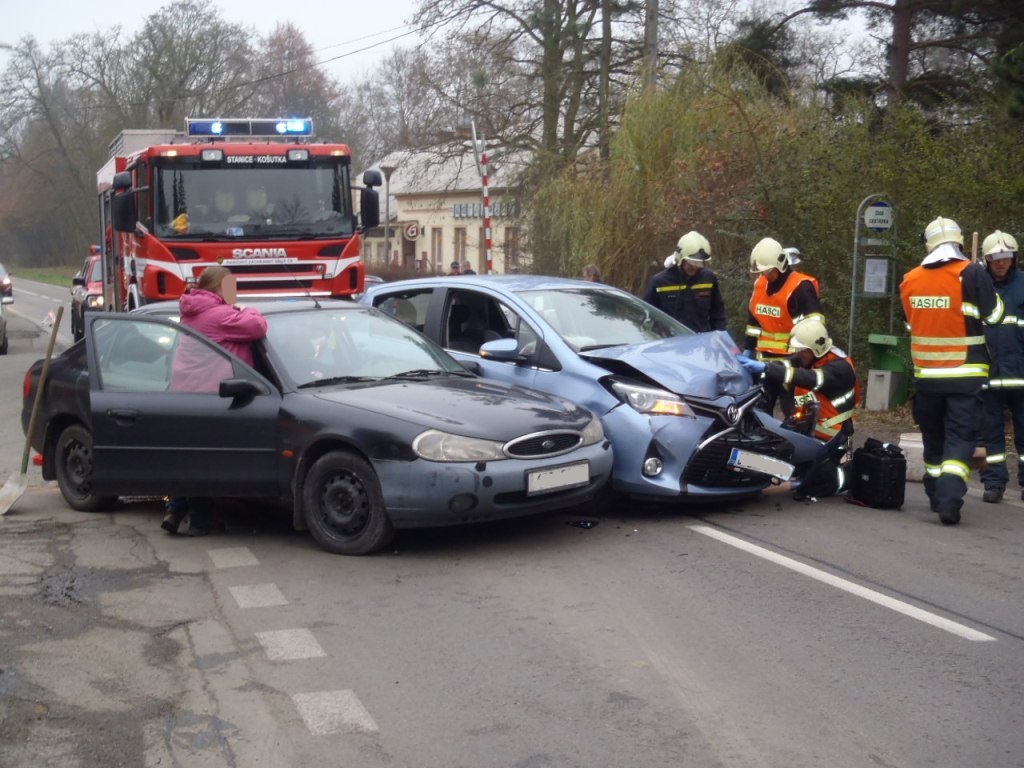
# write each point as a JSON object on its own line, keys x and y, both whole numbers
{"x": 947, "y": 304}
{"x": 695, "y": 301}
{"x": 831, "y": 382}
{"x": 1006, "y": 340}
{"x": 776, "y": 307}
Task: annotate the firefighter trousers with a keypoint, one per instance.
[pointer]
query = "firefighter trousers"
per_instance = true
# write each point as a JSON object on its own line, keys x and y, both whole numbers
{"x": 997, "y": 402}
{"x": 950, "y": 430}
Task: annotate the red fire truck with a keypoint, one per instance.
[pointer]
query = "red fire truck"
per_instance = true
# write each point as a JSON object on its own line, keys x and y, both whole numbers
{"x": 259, "y": 196}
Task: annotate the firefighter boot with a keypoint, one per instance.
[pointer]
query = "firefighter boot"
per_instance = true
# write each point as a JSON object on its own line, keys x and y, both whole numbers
{"x": 993, "y": 495}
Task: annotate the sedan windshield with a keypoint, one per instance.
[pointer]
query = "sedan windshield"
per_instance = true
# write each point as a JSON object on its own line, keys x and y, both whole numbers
{"x": 594, "y": 318}
{"x": 332, "y": 346}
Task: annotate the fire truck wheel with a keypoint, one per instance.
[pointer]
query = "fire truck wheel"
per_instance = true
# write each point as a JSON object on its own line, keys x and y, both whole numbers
{"x": 344, "y": 506}
{"x": 73, "y": 456}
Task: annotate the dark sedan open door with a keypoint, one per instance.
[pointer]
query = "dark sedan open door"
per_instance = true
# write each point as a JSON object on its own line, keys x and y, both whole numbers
{"x": 174, "y": 413}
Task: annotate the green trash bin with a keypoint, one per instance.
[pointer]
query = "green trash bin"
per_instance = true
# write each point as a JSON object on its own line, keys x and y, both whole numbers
{"x": 892, "y": 353}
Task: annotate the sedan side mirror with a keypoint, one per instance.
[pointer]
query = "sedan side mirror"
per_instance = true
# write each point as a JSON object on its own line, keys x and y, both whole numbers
{"x": 506, "y": 350}
{"x": 242, "y": 391}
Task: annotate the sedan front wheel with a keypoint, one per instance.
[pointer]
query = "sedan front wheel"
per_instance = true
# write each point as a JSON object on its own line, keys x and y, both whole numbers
{"x": 73, "y": 455}
{"x": 344, "y": 505}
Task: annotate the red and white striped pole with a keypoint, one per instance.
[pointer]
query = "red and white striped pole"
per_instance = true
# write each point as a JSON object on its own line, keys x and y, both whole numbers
{"x": 487, "y": 210}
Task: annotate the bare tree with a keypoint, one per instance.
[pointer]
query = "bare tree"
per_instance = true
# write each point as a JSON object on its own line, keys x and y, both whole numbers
{"x": 553, "y": 48}
{"x": 290, "y": 84}
{"x": 191, "y": 62}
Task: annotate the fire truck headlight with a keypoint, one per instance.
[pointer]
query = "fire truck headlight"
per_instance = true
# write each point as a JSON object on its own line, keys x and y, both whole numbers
{"x": 94, "y": 301}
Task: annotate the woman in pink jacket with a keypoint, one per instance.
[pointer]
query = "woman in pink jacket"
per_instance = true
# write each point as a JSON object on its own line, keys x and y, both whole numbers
{"x": 209, "y": 308}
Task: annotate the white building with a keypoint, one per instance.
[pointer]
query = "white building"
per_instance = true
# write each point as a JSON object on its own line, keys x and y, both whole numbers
{"x": 434, "y": 204}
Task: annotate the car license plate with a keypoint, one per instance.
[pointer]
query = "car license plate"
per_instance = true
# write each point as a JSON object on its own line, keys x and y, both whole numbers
{"x": 557, "y": 479}
{"x": 755, "y": 462}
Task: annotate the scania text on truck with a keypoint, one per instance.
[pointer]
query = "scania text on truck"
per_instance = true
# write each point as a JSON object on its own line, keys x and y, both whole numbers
{"x": 261, "y": 197}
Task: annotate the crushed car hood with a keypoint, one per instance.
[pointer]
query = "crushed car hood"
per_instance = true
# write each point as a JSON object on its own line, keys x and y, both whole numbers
{"x": 702, "y": 365}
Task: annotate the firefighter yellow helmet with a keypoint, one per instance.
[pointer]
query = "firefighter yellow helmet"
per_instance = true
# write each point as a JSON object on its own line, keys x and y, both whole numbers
{"x": 941, "y": 231}
{"x": 768, "y": 254}
{"x": 694, "y": 247}
{"x": 810, "y": 333}
{"x": 999, "y": 243}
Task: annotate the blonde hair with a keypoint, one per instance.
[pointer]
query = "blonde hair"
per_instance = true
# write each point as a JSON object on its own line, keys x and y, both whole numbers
{"x": 212, "y": 277}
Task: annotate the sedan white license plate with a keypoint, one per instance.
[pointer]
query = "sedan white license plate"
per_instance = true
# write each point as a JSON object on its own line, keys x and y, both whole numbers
{"x": 557, "y": 479}
{"x": 755, "y": 462}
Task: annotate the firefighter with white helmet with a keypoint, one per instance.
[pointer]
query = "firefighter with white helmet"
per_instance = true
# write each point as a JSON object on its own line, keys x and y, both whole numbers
{"x": 823, "y": 382}
{"x": 781, "y": 298}
{"x": 948, "y": 300}
{"x": 687, "y": 289}
{"x": 1006, "y": 376}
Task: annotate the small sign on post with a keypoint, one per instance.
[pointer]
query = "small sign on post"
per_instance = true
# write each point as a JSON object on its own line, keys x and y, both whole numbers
{"x": 878, "y": 216}
{"x": 876, "y": 276}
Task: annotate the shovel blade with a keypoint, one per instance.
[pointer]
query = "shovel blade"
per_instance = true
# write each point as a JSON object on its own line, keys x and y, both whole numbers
{"x": 11, "y": 492}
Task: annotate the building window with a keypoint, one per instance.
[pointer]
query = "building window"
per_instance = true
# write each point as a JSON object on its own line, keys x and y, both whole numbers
{"x": 483, "y": 250}
{"x": 437, "y": 249}
{"x": 460, "y": 244}
{"x": 512, "y": 256}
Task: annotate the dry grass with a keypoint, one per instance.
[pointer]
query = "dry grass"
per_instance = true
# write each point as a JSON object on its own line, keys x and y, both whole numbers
{"x": 886, "y": 426}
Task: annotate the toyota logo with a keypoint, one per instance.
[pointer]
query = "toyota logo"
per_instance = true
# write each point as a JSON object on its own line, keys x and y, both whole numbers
{"x": 732, "y": 413}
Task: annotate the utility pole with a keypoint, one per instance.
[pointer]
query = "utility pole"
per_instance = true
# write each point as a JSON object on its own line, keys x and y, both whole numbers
{"x": 387, "y": 170}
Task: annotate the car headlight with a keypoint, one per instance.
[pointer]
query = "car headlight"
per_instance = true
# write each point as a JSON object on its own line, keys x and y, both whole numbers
{"x": 649, "y": 400}
{"x": 593, "y": 432}
{"x": 434, "y": 445}
{"x": 94, "y": 301}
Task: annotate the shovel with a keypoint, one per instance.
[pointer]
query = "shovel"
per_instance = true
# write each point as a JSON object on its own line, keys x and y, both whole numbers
{"x": 15, "y": 485}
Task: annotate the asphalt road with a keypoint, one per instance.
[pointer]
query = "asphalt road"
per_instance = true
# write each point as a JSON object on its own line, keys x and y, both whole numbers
{"x": 769, "y": 633}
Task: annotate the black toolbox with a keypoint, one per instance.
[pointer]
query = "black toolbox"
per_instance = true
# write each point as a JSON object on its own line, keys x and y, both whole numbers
{"x": 879, "y": 475}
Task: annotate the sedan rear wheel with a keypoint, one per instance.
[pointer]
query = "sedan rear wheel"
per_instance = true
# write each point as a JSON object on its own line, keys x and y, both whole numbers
{"x": 74, "y": 471}
{"x": 344, "y": 506}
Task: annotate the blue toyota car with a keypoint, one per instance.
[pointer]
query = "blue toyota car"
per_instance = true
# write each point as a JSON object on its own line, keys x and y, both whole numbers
{"x": 676, "y": 405}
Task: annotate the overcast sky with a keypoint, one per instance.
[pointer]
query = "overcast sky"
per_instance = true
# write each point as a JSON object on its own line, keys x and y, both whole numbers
{"x": 337, "y": 29}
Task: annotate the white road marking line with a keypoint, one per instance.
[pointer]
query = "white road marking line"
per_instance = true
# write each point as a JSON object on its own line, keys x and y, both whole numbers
{"x": 333, "y": 712}
{"x": 899, "y": 606}
{"x": 290, "y": 644}
{"x": 232, "y": 557}
{"x": 258, "y": 596}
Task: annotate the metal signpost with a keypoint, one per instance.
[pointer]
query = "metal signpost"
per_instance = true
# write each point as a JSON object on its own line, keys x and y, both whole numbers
{"x": 877, "y": 216}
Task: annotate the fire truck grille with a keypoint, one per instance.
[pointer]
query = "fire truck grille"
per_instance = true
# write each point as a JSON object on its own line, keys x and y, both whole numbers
{"x": 292, "y": 285}
{"x": 270, "y": 269}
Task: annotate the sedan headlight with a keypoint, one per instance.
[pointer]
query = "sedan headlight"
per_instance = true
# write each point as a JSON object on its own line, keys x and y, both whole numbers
{"x": 593, "y": 432}
{"x": 434, "y": 445}
{"x": 649, "y": 400}
{"x": 94, "y": 301}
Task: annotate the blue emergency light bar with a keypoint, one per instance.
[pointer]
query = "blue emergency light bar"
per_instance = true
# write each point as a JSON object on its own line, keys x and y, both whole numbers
{"x": 247, "y": 127}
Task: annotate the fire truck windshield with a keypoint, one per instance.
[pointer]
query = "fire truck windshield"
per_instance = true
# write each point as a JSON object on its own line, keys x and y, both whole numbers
{"x": 252, "y": 202}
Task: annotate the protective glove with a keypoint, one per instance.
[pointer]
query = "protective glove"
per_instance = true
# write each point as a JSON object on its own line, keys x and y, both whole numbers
{"x": 749, "y": 353}
{"x": 754, "y": 366}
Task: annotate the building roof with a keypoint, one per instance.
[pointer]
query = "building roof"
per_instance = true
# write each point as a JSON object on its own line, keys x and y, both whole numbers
{"x": 449, "y": 168}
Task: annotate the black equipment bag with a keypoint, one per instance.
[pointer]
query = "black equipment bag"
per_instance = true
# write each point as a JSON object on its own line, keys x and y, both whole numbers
{"x": 879, "y": 475}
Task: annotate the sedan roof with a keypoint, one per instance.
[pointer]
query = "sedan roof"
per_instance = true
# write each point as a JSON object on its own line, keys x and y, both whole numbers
{"x": 265, "y": 306}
